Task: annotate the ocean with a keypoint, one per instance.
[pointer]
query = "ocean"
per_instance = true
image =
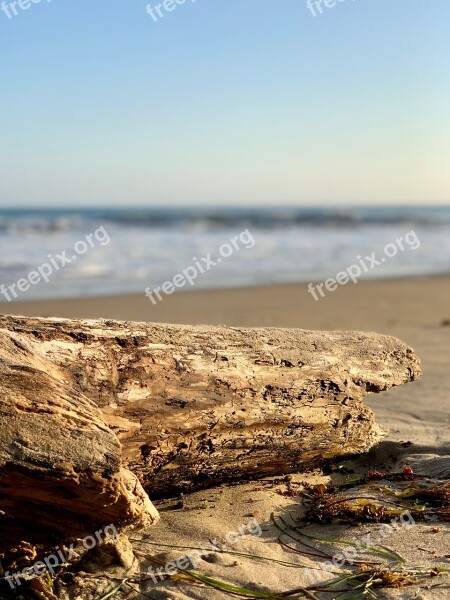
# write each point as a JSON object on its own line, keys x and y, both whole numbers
{"x": 147, "y": 247}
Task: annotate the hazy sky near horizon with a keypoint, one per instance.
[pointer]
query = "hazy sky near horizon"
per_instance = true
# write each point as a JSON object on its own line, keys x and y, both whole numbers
{"x": 225, "y": 102}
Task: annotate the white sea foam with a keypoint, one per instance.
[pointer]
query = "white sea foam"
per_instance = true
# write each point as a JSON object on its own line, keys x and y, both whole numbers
{"x": 150, "y": 246}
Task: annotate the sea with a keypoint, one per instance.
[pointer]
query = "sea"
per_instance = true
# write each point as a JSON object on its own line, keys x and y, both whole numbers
{"x": 132, "y": 249}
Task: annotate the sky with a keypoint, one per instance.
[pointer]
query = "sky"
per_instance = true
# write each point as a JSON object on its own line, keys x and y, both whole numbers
{"x": 224, "y": 102}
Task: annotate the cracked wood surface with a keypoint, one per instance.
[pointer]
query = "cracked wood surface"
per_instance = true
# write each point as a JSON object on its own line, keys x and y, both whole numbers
{"x": 191, "y": 406}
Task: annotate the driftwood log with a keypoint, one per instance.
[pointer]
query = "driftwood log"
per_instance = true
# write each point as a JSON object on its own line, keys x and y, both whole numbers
{"x": 92, "y": 413}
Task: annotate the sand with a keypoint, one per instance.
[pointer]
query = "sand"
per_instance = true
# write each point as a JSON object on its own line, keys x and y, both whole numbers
{"x": 415, "y": 310}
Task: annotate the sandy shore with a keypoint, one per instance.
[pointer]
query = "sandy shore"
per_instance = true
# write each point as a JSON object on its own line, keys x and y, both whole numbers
{"x": 415, "y": 310}
{"x": 382, "y": 305}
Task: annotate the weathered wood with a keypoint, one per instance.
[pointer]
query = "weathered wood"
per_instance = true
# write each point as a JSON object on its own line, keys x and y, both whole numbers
{"x": 60, "y": 465}
{"x": 194, "y": 406}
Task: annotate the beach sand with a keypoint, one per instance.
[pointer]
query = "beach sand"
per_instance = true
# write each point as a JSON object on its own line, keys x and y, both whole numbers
{"x": 415, "y": 310}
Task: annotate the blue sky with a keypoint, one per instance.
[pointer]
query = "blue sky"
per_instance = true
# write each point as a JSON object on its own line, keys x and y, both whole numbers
{"x": 225, "y": 102}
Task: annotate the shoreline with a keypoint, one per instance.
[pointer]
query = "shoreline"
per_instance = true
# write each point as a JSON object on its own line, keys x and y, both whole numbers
{"x": 258, "y": 286}
{"x": 383, "y": 304}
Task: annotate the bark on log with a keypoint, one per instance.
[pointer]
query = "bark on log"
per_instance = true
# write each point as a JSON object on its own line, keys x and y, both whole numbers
{"x": 191, "y": 406}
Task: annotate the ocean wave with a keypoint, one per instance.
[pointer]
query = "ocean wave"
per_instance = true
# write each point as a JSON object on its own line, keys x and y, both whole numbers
{"x": 53, "y": 221}
{"x": 149, "y": 247}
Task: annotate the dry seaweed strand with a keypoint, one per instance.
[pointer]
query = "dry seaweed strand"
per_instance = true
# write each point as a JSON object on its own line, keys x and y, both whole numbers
{"x": 422, "y": 496}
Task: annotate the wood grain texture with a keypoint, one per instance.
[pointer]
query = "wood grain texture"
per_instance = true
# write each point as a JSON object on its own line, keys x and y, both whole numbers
{"x": 191, "y": 406}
